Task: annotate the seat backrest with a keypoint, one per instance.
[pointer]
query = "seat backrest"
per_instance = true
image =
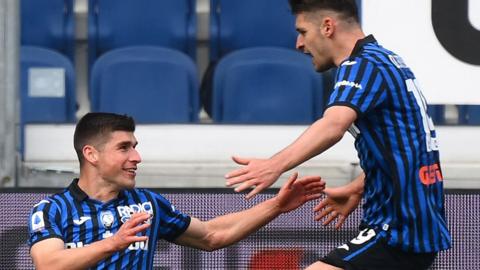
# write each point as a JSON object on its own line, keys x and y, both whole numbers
{"x": 47, "y": 83}
{"x": 152, "y": 84}
{"x": 48, "y": 24}
{"x": 469, "y": 114}
{"x": 114, "y": 24}
{"x": 249, "y": 23}
{"x": 266, "y": 85}
{"x": 47, "y": 88}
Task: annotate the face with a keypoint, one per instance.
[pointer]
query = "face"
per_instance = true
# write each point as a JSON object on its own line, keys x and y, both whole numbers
{"x": 118, "y": 159}
{"x": 312, "y": 40}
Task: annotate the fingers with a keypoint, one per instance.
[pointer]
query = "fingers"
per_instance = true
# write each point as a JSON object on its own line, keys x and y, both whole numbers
{"x": 291, "y": 180}
{"x": 139, "y": 228}
{"x": 340, "y": 221}
{"x": 321, "y": 205}
{"x": 136, "y": 219}
{"x": 255, "y": 191}
{"x": 236, "y": 176}
{"x": 323, "y": 213}
{"x": 333, "y": 215}
{"x": 314, "y": 185}
{"x": 240, "y": 160}
{"x": 312, "y": 197}
{"x": 245, "y": 185}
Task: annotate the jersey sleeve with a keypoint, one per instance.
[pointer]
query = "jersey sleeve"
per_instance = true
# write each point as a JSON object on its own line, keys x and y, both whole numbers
{"x": 172, "y": 222}
{"x": 358, "y": 85}
{"x": 44, "y": 222}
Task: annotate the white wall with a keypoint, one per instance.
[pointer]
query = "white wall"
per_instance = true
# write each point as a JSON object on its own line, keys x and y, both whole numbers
{"x": 199, "y": 155}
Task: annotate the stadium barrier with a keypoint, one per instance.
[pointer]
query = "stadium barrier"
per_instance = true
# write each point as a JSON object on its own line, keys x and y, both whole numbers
{"x": 292, "y": 241}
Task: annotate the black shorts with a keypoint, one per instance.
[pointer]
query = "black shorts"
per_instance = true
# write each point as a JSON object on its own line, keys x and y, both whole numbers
{"x": 369, "y": 250}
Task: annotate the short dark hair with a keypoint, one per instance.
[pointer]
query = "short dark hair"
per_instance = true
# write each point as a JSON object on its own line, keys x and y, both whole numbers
{"x": 95, "y": 128}
{"x": 347, "y": 8}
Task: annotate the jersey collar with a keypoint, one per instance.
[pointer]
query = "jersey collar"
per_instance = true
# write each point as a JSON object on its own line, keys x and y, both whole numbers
{"x": 362, "y": 42}
{"x": 80, "y": 195}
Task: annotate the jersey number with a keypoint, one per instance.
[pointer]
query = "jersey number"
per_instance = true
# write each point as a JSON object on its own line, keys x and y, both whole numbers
{"x": 431, "y": 141}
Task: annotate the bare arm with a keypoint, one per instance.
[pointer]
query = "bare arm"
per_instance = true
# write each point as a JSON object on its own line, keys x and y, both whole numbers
{"x": 51, "y": 253}
{"x": 320, "y": 136}
{"x": 228, "y": 229}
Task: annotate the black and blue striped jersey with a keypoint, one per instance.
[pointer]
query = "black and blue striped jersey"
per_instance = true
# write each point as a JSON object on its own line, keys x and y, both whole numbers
{"x": 397, "y": 147}
{"x": 79, "y": 221}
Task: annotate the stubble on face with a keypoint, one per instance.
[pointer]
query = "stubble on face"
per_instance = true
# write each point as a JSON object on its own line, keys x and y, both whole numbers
{"x": 315, "y": 43}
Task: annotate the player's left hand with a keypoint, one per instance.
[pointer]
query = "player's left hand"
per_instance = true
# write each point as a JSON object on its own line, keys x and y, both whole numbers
{"x": 295, "y": 192}
{"x": 338, "y": 204}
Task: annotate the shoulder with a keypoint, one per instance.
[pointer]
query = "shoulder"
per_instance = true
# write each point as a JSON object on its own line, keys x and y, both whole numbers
{"x": 50, "y": 202}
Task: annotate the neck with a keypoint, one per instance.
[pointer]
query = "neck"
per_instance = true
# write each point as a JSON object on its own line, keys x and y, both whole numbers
{"x": 96, "y": 188}
{"x": 346, "y": 42}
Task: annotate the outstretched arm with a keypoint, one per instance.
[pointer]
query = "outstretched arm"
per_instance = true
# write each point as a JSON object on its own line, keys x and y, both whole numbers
{"x": 228, "y": 229}
{"x": 320, "y": 136}
{"x": 340, "y": 202}
{"x": 52, "y": 254}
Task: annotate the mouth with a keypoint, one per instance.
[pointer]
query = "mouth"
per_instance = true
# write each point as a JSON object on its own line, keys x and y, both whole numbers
{"x": 131, "y": 171}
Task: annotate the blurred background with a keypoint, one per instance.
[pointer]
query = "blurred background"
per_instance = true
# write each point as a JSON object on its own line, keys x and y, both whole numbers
{"x": 208, "y": 79}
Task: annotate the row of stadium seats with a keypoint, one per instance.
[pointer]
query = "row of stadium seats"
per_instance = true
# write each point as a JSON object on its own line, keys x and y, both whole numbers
{"x": 141, "y": 62}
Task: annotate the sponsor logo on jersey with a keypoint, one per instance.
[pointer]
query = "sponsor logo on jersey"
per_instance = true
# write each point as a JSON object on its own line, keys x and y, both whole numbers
{"x": 38, "y": 222}
{"x": 139, "y": 245}
{"x": 348, "y": 83}
{"x": 75, "y": 245}
{"x": 127, "y": 211}
{"x": 430, "y": 174}
{"x": 81, "y": 220}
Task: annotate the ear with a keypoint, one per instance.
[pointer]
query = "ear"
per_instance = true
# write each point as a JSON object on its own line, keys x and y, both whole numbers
{"x": 328, "y": 26}
{"x": 90, "y": 154}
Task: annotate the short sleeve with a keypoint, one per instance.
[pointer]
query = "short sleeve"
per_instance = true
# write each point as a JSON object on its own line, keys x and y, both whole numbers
{"x": 172, "y": 222}
{"x": 359, "y": 85}
{"x": 44, "y": 222}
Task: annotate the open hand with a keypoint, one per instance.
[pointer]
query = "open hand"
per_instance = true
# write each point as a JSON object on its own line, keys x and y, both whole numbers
{"x": 127, "y": 234}
{"x": 257, "y": 173}
{"x": 295, "y": 192}
{"x": 338, "y": 204}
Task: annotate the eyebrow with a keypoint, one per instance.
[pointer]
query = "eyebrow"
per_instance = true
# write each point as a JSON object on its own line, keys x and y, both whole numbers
{"x": 127, "y": 143}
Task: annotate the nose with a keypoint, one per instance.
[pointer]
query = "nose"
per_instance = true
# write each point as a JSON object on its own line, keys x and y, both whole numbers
{"x": 300, "y": 45}
{"x": 135, "y": 157}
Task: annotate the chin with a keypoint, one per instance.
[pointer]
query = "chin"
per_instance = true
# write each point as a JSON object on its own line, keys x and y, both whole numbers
{"x": 129, "y": 184}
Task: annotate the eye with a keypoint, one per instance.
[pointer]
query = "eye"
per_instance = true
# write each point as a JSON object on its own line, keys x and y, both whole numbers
{"x": 123, "y": 148}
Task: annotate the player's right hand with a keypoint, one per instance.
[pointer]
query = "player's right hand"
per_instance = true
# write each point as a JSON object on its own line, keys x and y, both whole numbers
{"x": 258, "y": 174}
{"x": 127, "y": 234}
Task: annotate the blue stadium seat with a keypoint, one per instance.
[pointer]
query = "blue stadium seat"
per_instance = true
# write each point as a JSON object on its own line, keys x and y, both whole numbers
{"x": 152, "y": 84}
{"x": 250, "y": 23}
{"x": 266, "y": 85}
{"x": 47, "y": 83}
{"x": 469, "y": 114}
{"x": 114, "y": 24}
{"x": 437, "y": 113}
{"x": 48, "y": 24}
{"x": 47, "y": 88}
